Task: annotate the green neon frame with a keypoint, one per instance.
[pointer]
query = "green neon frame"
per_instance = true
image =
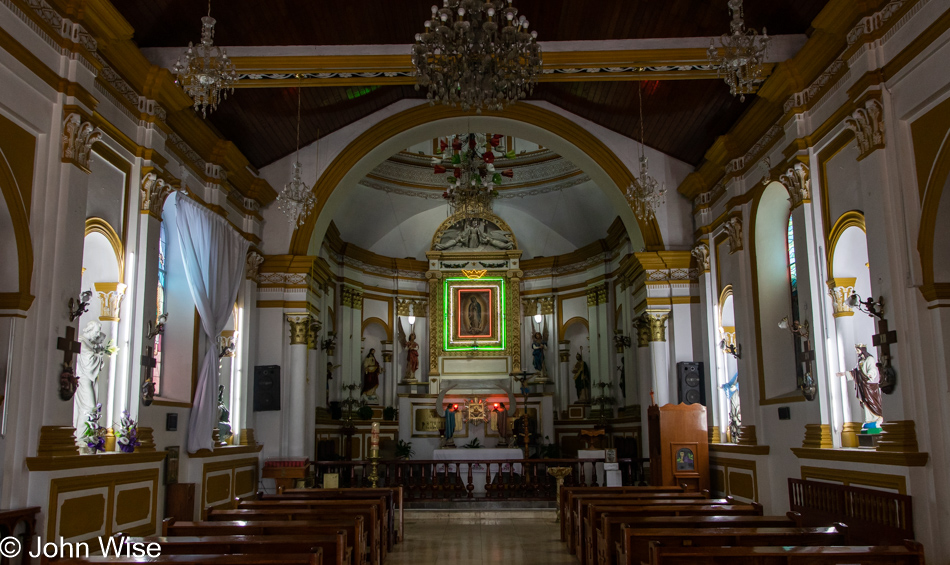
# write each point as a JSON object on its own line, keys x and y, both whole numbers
{"x": 447, "y": 328}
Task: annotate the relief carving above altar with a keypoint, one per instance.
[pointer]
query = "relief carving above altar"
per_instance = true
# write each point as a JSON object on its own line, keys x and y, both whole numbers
{"x": 473, "y": 234}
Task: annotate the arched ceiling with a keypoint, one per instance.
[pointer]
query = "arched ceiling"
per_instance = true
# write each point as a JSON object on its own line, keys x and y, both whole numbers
{"x": 552, "y": 206}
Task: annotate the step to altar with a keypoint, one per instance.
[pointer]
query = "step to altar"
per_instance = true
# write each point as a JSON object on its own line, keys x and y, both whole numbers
{"x": 478, "y": 505}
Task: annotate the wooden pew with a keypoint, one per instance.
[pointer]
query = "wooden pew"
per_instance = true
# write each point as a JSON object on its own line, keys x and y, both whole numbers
{"x": 378, "y": 524}
{"x": 394, "y": 497}
{"x": 353, "y": 526}
{"x": 308, "y": 515}
{"x": 637, "y": 542}
{"x": 314, "y": 558}
{"x": 571, "y": 522}
{"x": 911, "y": 553}
{"x": 612, "y": 527}
{"x": 582, "y": 505}
{"x": 334, "y": 548}
{"x": 567, "y": 494}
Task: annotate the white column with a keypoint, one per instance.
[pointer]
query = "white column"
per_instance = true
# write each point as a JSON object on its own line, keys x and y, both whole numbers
{"x": 110, "y": 297}
{"x": 297, "y": 382}
{"x": 709, "y": 314}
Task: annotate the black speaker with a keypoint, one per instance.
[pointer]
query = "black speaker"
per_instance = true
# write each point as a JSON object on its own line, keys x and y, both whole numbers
{"x": 692, "y": 389}
{"x": 266, "y": 388}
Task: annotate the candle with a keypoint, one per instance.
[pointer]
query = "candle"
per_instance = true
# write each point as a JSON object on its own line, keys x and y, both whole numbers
{"x": 374, "y": 436}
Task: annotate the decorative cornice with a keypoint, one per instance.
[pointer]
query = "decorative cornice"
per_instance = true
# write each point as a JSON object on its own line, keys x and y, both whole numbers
{"x": 352, "y": 297}
{"x": 78, "y": 139}
{"x": 110, "y": 296}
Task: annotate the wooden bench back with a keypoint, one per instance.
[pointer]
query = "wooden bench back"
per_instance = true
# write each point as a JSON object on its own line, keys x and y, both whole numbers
{"x": 314, "y": 558}
{"x": 334, "y": 546}
{"x": 567, "y": 494}
{"x": 911, "y": 553}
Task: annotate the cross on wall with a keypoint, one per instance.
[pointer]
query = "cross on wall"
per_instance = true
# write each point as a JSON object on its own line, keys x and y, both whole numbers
{"x": 69, "y": 346}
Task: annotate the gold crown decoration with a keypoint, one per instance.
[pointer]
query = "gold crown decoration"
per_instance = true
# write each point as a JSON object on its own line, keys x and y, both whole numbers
{"x": 474, "y": 274}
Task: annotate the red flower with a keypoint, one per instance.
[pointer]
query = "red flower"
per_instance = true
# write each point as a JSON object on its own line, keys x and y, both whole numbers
{"x": 456, "y": 144}
{"x": 488, "y": 157}
{"x": 443, "y": 144}
{"x": 439, "y": 169}
{"x": 471, "y": 142}
{"x": 508, "y": 173}
{"x": 495, "y": 139}
{"x": 446, "y": 195}
{"x": 457, "y": 173}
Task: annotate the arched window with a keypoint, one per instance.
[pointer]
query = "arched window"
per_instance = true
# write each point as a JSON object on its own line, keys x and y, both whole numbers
{"x": 160, "y": 309}
{"x": 793, "y": 286}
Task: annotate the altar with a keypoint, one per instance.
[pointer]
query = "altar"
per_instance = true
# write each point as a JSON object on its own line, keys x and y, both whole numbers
{"x": 478, "y": 471}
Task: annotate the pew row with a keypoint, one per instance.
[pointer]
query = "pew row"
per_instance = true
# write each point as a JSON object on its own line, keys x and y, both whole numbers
{"x": 567, "y": 494}
{"x": 911, "y": 553}
{"x": 313, "y": 558}
{"x": 333, "y": 547}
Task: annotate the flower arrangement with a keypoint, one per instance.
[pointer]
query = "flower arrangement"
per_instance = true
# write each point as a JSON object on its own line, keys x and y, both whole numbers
{"x": 94, "y": 436}
{"x": 126, "y": 433}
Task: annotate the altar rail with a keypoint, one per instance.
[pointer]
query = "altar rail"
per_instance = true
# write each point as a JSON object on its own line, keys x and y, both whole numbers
{"x": 508, "y": 479}
{"x": 874, "y": 517}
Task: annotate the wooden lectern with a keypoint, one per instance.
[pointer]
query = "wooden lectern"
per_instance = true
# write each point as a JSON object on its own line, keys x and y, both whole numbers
{"x": 679, "y": 446}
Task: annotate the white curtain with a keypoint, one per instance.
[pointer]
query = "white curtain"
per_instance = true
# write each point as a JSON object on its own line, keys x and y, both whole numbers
{"x": 214, "y": 256}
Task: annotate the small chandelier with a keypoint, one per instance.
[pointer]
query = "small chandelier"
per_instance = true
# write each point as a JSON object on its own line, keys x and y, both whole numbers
{"x": 743, "y": 55}
{"x": 476, "y": 54}
{"x": 206, "y": 72}
{"x": 645, "y": 194}
{"x": 296, "y": 200}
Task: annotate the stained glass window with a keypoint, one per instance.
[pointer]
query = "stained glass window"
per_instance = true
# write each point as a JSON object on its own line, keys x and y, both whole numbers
{"x": 159, "y": 310}
{"x": 793, "y": 284}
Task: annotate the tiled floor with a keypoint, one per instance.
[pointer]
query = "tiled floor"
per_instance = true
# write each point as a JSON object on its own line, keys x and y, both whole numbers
{"x": 480, "y": 538}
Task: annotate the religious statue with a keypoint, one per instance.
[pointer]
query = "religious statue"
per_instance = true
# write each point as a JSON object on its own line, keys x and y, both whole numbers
{"x": 91, "y": 359}
{"x": 499, "y": 423}
{"x": 538, "y": 345}
{"x": 371, "y": 371}
{"x": 474, "y": 316}
{"x": 867, "y": 384}
{"x": 582, "y": 379}
{"x": 224, "y": 416}
{"x": 412, "y": 357}
{"x": 474, "y": 234}
{"x": 330, "y": 368}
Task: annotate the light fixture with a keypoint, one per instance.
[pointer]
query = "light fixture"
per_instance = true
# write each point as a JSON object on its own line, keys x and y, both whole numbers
{"x": 869, "y": 306}
{"x": 733, "y": 349}
{"x": 296, "y": 200}
{"x": 468, "y": 162}
{"x": 538, "y": 318}
{"x": 744, "y": 50}
{"x": 412, "y": 321}
{"x": 644, "y": 193}
{"x": 796, "y": 328}
{"x": 476, "y": 54}
{"x": 204, "y": 70}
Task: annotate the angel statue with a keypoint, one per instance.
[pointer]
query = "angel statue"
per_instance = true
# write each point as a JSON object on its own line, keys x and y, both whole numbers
{"x": 539, "y": 343}
{"x": 412, "y": 353}
{"x": 467, "y": 235}
{"x": 499, "y": 239}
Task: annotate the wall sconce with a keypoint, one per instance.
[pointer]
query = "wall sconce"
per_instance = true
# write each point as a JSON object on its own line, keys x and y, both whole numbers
{"x": 733, "y": 349}
{"x": 796, "y": 328}
{"x": 78, "y": 307}
{"x": 157, "y": 327}
{"x": 869, "y": 306}
{"x": 621, "y": 341}
{"x": 538, "y": 318}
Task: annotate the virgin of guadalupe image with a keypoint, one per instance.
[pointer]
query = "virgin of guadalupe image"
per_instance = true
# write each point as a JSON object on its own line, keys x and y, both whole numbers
{"x": 474, "y": 316}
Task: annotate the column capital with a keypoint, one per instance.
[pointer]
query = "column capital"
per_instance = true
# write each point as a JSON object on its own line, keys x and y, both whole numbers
{"x": 597, "y": 295}
{"x": 701, "y": 254}
{"x": 299, "y": 328}
{"x": 651, "y": 327}
{"x": 733, "y": 227}
{"x": 867, "y": 123}
{"x": 352, "y": 297}
{"x": 798, "y": 184}
{"x": 154, "y": 192}
{"x": 840, "y": 289}
{"x": 110, "y": 296}
{"x": 78, "y": 139}
{"x": 254, "y": 260}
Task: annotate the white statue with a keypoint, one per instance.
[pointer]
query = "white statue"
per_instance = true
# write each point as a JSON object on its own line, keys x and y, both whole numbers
{"x": 91, "y": 360}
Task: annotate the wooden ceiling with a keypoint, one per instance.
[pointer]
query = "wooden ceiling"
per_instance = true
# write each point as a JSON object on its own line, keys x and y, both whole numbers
{"x": 173, "y": 23}
{"x": 683, "y": 117}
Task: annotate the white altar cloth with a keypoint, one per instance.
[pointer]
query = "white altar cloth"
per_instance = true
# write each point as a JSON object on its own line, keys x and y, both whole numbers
{"x": 478, "y": 471}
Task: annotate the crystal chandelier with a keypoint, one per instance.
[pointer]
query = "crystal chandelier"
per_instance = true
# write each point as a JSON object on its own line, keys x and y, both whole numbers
{"x": 476, "y": 54}
{"x": 206, "y": 72}
{"x": 469, "y": 168}
{"x": 743, "y": 55}
{"x": 644, "y": 193}
{"x": 296, "y": 200}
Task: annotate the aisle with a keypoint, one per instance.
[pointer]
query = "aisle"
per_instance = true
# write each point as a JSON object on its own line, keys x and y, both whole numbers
{"x": 480, "y": 538}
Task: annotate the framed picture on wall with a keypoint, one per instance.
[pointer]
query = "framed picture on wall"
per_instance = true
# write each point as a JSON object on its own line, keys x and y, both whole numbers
{"x": 474, "y": 316}
{"x": 171, "y": 464}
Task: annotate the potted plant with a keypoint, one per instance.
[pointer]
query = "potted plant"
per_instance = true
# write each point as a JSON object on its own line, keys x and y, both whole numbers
{"x": 404, "y": 450}
{"x": 365, "y": 412}
{"x": 94, "y": 435}
{"x": 126, "y": 433}
{"x": 390, "y": 414}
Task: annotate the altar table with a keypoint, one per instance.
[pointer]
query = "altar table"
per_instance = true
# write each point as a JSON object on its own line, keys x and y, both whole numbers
{"x": 478, "y": 471}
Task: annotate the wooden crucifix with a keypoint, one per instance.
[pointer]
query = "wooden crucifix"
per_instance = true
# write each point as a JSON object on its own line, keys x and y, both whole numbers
{"x": 68, "y": 383}
{"x": 522, "y": 378}
{"x": 148, "y": 385}
{"x": 883, "y": 340}
{"x": 805, "y": 357}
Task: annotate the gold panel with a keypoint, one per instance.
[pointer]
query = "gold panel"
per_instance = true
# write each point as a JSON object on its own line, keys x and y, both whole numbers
{"x": 82, "y": 515}
{"x": 742, "y": 484}
{"x": 244, "y": 481}
{"x": 218, "y": 488}
{"x": 133, "y": 505}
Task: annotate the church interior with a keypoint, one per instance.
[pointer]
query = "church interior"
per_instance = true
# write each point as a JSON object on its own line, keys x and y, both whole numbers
{"x": 493, "y": 281}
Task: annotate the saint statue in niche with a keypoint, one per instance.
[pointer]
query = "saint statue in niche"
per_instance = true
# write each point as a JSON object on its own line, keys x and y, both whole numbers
{"x": 371, "y": 371}
{"x": 91, "y": 359}
{"x": 582, "y": 379}
{"x": 867, "y": 384}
